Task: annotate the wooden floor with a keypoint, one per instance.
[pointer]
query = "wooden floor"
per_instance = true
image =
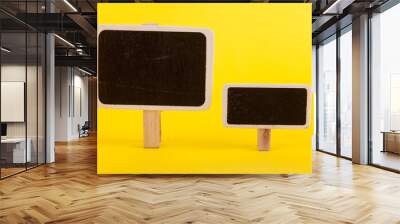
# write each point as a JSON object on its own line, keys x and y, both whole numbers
{"x": 386, "y": 159}
{"x": 69, "y": 191}
{"x": 5, "y": 172}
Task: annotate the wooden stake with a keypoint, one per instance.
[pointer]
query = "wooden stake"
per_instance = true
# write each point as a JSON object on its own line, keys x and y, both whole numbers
{"x": 152, "y": 128}
{"x": 264, "y": 139}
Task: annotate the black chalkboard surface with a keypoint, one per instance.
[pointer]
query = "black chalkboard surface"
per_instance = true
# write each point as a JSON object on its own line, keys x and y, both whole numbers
{"x": 267, "y": 106}
{"x": 164, "y": 68}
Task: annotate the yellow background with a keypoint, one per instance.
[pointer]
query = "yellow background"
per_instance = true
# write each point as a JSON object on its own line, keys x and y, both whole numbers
{"x": 254, "y": 43}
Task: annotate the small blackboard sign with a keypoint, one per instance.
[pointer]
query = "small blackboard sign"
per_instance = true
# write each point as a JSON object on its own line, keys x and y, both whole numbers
{"x": 267, "y": 106}
{"x": 154, "y": 67}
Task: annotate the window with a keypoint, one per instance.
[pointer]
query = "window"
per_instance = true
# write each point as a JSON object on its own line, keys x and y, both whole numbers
{"x": 385, "y": 89}
{"x": 335, "y": 74}
{"x": 327, "y": 96}
{"x": 22, "y": 78}
{"x": 346, "y": 93}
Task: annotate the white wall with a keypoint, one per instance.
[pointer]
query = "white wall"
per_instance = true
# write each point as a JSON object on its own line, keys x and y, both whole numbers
{"x": 17, "y": 73}
{"x": 13, "y": 72}
{"x": 71, "y": 102}
{"x": 62, "y": 81}
{"x": 33, "y": 127}
{"x": 81, "y": 84}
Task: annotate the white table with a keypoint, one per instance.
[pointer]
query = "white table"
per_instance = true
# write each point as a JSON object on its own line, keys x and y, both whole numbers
{"x": 18, "y": 145}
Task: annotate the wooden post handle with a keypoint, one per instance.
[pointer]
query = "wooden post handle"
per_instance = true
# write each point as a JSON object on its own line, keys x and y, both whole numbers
{"x": 152, "y": 128}
{"x": 264, "y": 139}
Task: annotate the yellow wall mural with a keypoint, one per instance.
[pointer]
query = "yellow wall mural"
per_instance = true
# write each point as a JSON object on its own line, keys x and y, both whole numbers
{"x": 253, "y": 43}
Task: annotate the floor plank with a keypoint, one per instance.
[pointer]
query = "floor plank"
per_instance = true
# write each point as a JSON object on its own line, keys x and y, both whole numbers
{"x": 70, "y": 191}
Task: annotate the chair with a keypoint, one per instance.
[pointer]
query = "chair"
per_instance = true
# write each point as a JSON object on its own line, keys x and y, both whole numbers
{"x": 84, "y": 130}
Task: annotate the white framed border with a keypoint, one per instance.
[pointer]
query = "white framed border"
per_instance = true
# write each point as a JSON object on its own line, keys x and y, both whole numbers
{"x": 290, "y": 86}
{"x": 209, "y": 64}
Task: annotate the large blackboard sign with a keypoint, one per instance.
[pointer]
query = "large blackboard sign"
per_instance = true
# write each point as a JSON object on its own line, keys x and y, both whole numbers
{"x": 154, "y": 67}
{"x": 267, "y": 106}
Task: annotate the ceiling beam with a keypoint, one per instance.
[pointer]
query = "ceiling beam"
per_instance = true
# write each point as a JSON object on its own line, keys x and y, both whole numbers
{"x": 86, "y": 26}
{"x": 337, "y": 7}
{"x": 77, "y": 61}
